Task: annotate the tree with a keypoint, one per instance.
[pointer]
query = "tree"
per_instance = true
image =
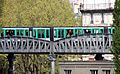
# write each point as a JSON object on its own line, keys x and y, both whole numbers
{"x": 116, "y": 37}
{"x": 38, "y": 13}
{"x": 1, "y": 12}
{"x": 1, "y": 7}
{"x": 32, "y": 63}
{"x": 3, "y": 64}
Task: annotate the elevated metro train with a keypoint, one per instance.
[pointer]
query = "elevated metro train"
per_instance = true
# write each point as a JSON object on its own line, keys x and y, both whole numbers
{"x": 59, "y": 32}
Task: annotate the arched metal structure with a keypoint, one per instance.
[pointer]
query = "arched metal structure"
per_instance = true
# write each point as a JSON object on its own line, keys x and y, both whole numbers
{"x": 81, "y": 44}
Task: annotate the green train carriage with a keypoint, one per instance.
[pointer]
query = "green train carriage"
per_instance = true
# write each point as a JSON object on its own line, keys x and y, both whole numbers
{"x": 59, "y": 32}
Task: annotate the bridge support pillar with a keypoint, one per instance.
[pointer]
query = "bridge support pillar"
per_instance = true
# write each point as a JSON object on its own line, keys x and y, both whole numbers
{"x": 99, "y": 56}
{"x": 52, "y": 55}
{"x": 10, "y": 58}
{"x": 52, "y": 61}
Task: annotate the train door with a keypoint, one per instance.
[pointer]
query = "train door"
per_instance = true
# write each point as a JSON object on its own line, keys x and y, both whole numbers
{"x": 23, "y": 32}
{"x": 1, "y": 32}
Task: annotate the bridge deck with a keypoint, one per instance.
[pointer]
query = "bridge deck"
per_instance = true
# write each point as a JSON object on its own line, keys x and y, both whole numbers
{"x": 79, "y": 44}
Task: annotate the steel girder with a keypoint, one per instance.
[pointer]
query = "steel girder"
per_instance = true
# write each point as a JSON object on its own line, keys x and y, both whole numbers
{"x": 79, "y": 44}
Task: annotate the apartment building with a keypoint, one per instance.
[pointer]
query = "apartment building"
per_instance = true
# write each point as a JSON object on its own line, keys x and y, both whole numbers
{"x": 97, "y": 12}
{"x": 86, "y": 67}
{"x": 76, "y": 7}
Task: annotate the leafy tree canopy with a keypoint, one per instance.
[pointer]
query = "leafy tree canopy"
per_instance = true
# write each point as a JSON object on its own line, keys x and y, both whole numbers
{"x": 116, "y": 36}
{"x": 38, "y": 13}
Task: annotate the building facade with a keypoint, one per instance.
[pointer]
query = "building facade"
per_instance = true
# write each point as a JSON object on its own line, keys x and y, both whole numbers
{"x": 76, "y": 7}
{"x": 87, "y": 67}
{"x": 97, "y": 12}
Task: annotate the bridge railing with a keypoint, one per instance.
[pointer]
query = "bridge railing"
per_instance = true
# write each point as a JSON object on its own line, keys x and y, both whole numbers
{"x": 23, "y": 44}
{"x": 97, "y": 6}
{"x": 86, "y": 43}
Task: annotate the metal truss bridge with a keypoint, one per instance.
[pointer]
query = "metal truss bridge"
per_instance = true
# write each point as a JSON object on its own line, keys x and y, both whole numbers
{"x": 81, "y": 44}
{"x": 87, "y": 43}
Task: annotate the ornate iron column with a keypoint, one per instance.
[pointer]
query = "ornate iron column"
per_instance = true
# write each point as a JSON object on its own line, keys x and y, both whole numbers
{"x": 52, "y": 55}
{"x": 52, "y": 61}
{"x": 11, "y": 58}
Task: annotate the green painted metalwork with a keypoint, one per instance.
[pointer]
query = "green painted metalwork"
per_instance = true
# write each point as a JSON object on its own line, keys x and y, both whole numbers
{"x": 56, "y": 33}
{"x": 4, "y": 33}
{"x": 36, "y": 33}
{"x": 65, "y": 33}
{"x": 74, "y": 33}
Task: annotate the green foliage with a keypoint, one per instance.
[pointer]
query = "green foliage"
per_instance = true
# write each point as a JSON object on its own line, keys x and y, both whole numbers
{"x": 32, "y": 63}
{"x": 38, "y": 13}
{"x": 116, "y": 37}
{"x": 3, "y": 63}
{"x": 1, "y": 12}
{"x": 1, "y": 7}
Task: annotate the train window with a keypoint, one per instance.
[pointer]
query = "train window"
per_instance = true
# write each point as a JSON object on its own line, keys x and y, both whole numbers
{"x": 109, "y": 31}
{"x": 105, "y": 30}
{"x": 92, "y": 31}
{"x": 41, "y": 33}
{"x": 113, "y": 31}
{"x": 18, "y": 32}
{"x": 26, "y": 32}
{"x": 96, "y": 31}
{"x": 78, "y": 32}
{"x": 69, "y": 33}
{"x": 10, "y": 33}
{"x": 75, "y": 32}
{"x": 87, "y": 31}
{"x": 47, "y": 33}
{"x": 1, "y": 33}
{"x": 7, "y": 32}
{"x": 101, "y": 31}
{"x": 60, "y": 33}
{"x": 21, "y": 33}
